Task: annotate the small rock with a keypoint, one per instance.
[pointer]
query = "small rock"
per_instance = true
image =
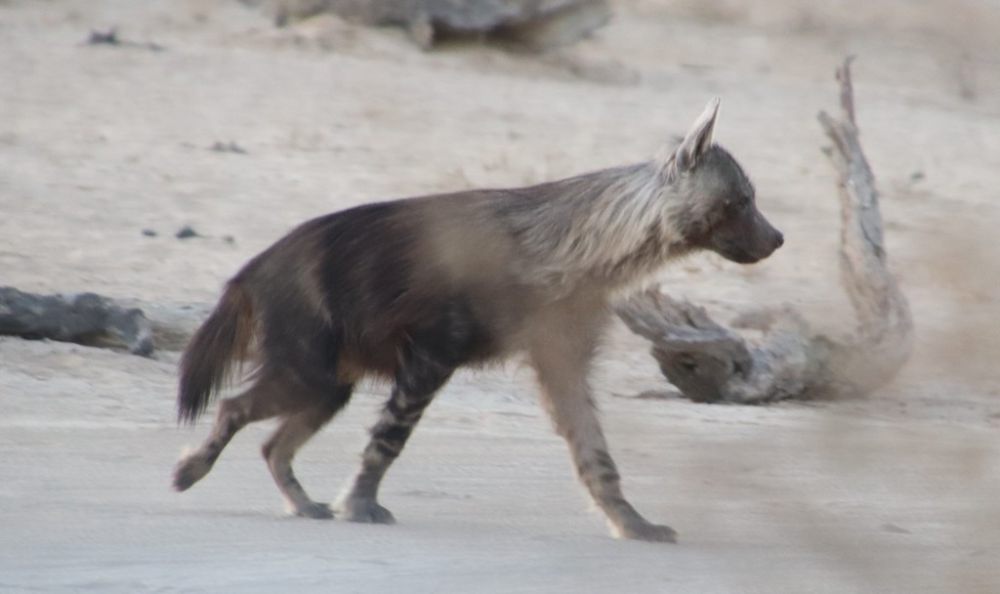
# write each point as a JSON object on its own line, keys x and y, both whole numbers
{"x": 889, "y": 527}
{"x": 186, "y": 232}
{"x": 227, "y": 147}
{"x": 109, "y": 37}
{"x": 149, "y": 232}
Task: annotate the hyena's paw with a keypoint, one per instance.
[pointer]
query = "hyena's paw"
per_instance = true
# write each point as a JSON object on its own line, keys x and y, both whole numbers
{"x": 646, "y": 531}
{"x": 366, "y": 511}
{"x": 189, "y": 471}
{"x": 314, "y": 510}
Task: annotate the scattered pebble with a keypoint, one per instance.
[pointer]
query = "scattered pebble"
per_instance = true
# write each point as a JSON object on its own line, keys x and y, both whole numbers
{"x": 888, "y": 527}
{"x": 149, "y": 232}
{"x": 110, "y": 37}
{"x": 186, "y": 232}
{"x": 228, "y": 147}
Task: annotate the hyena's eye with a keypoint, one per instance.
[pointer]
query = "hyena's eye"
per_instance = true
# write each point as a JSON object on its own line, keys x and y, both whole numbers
{"x": 742, "y": 202}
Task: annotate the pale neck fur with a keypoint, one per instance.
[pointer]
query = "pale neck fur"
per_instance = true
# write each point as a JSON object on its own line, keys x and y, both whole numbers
{"x": 611, "y": 227}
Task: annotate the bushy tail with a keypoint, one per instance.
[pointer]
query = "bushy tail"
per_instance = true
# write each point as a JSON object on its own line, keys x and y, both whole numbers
{"x": 220, "y": 342}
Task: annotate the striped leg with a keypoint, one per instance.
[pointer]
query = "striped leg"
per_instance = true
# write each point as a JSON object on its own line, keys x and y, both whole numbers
{"x": 561, "y": 360}
{"x": 418, "y": 379}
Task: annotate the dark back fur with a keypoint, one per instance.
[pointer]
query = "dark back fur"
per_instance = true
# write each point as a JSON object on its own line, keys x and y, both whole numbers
{"x": 340, "y": 297}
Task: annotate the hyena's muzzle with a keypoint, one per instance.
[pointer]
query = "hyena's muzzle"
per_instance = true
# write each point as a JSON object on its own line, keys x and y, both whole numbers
{"x": 745, "y": 236}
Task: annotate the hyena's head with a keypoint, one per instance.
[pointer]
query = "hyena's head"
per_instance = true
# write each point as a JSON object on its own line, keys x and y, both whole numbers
{"x": 713, "y": 205}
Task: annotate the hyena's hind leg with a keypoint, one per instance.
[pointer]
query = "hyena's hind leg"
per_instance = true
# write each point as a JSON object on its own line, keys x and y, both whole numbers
{"x": 261, "y": 401}
{"x": 561, "y": 358}
{"x": 293, "y": 433}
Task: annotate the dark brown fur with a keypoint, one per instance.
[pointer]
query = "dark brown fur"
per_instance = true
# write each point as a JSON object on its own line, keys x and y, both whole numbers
{"x": 220, "y": 342}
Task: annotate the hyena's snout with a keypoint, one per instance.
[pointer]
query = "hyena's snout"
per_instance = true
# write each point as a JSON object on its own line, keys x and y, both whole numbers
{"x": 747, "y": 239}
{"x": 769, "y": 238}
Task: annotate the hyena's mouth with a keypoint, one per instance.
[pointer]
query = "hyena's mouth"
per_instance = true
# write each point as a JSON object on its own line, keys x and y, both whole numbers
{"x": 740, "y": 255}
{"x": 746, "y": 258}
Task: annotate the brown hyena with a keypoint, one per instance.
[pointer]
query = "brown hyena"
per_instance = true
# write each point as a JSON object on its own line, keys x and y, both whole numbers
{"x": 411, "y": 290}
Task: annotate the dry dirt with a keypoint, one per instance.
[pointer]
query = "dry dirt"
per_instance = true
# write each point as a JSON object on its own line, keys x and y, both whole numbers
{"x": 894, "y": 493}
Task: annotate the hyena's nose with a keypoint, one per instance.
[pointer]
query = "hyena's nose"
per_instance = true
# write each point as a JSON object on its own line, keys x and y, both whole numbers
{"x": 779, "y": 240}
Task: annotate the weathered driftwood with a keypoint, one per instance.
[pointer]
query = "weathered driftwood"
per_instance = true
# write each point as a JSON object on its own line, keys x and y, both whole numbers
{"x": 531, "y": 24}
{"x": 778, "y": 356}
{"x": 85, "y": 318}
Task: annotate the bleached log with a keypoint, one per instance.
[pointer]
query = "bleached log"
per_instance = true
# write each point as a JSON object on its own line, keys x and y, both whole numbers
{"x": 883, "y": 338}
{"x": 526, "y": 24}
{"x": 776, "y": 355}
{"x": 86, "y": 318}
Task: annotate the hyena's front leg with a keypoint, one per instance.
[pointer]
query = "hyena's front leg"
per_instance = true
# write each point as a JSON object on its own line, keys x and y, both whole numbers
{"x": 561, "y": 361}
{"x": 418, "y": 379}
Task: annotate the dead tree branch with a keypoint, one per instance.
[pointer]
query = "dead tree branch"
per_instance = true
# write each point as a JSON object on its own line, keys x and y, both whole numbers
{"x": 777, "y": 356}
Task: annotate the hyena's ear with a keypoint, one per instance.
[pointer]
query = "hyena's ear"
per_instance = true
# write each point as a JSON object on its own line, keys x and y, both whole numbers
{"x": 698, "y": 139}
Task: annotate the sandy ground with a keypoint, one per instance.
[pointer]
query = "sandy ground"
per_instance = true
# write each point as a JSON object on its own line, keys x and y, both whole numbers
{"x": 894, "y": 493}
